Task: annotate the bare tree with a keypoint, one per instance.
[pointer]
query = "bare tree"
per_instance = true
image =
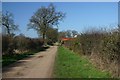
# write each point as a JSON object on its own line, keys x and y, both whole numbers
{"x": 8, "y": 22}
{"x": 0, "y": 17}
{"x": 68, "y": 33}
{"x": 61, "y": 34}
{"x": 74, "y": 33}
{"x": 45, "y": 17}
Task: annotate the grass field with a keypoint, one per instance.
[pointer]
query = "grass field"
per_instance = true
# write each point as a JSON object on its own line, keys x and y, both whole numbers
{"x": 70, "y": 65}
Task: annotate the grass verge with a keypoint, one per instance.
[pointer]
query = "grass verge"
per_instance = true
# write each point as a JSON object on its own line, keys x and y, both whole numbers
{"x": 70, "y": 65}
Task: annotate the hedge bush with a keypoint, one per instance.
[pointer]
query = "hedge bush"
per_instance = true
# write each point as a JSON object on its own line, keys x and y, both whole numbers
{"x": 20, "y": 43}
{"x": 104, "y": 46}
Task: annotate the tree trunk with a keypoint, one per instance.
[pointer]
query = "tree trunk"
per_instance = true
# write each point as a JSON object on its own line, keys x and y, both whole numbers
{"x": 44, "y": 34}
{"x": 8, "y": 30}
{"x": 43, "y": 38}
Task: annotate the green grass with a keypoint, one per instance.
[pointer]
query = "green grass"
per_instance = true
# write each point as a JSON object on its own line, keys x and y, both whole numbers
{"x": 9, "y": 59}
{"x": 71, "y": 65}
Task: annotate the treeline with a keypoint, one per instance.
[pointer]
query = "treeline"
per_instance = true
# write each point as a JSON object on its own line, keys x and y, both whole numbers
{"x": 102, "y": 47}
{"x": 44, "y": 21}
{"x": 20, "y": 44}
{"x": 12, "y": 44}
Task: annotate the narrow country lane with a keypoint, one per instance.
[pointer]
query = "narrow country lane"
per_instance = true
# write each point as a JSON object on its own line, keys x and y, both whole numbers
{"x": 39, "y": 65}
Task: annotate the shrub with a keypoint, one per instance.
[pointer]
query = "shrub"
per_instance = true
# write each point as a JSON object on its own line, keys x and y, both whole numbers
{"x": 20, "y": 43}
{"x": 8, "y": 44}
{"x": 102, "y": 46}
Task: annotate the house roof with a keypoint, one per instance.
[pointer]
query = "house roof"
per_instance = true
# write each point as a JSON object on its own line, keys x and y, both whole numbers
{"x": 66, "y": 39}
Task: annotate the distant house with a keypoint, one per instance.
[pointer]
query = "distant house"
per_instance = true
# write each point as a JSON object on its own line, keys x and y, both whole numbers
{"x": 67, "y": 39}
{"x": 64, "y": 40}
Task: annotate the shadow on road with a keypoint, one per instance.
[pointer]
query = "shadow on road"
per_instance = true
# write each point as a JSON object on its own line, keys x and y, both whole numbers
{"x": 22, "y": 61}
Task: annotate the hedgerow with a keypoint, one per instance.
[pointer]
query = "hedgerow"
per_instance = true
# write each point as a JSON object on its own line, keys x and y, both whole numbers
{"x": 19, "y": 44}
{"x": 102, "y": 47}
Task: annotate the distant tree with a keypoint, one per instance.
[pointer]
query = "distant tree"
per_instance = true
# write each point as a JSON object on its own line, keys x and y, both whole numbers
{"x": 45, "y": 17}
{"x": 119, "y": 28}
{"x": 61, "y": 34}
{"x": 69, "y": 33}
{"x": 0, "y": 24}
{"x": 74, "y": 33}
{"x": 52, "y": 34}
{"x": 0, "y": 17}
{"x": 8, "y": 22}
